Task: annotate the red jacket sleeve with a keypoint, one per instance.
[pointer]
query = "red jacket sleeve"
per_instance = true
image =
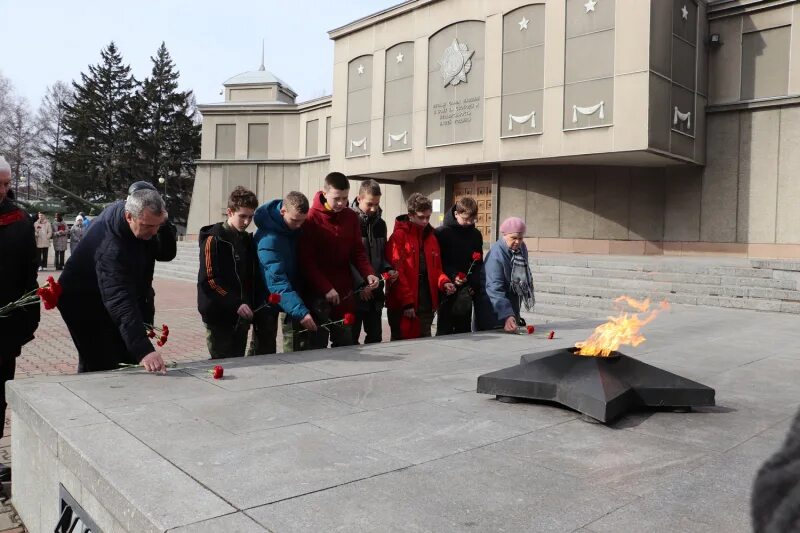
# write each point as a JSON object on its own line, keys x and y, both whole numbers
{"x": 312, "y": 273}
{"x": 358, "y": 254}
{"x": 401, "y": 290}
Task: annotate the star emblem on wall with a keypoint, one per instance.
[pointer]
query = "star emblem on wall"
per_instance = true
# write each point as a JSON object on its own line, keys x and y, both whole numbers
{"x": 399, "y": 57}
{"x": 684, "y": 12}
{"x": 360, "y": 70}
{"x": 590, "y": 5}
{"x": 455, "y": 63}
{"x": 523, "y": 24}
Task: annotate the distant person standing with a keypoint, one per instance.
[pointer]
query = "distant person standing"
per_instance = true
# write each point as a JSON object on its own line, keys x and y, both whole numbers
{"x": 18, "y": 277}
{"x": 60, "y": 240}
{"x": 75, "y": 234}
{"x": 108, "y": 295}
{"x": 44, "y": 231}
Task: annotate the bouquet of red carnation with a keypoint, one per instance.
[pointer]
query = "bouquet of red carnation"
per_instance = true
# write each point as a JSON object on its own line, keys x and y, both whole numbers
{"x": 48, "y": 293}
{"x": 162, "y": 333}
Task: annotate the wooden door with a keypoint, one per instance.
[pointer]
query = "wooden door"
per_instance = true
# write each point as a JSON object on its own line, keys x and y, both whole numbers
{"x": 480, "y": 189}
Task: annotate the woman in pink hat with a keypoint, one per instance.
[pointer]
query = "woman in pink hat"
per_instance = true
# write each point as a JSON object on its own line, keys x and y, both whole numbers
{"x": 509, "y": 283}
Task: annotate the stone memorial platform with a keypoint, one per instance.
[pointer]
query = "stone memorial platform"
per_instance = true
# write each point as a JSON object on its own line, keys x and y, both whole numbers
{"x": 394, "y": 437}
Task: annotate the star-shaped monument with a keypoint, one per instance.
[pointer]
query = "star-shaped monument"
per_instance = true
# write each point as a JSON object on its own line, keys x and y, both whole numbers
{"x": 590, "y": 5}
{"x": 523, "y": 24}
{"x": 684, "y": 12}
{"x": 603, "y": 388}
{"x": 360, "y": 70}
{"x": 399, "y": 57}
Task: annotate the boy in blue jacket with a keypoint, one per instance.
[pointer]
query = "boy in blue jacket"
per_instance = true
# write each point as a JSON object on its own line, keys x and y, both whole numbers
{"x": 278, "y": 224}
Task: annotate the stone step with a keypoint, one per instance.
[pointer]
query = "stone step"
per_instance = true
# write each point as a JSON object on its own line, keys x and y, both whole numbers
{"x": 545, "y": 282}
{"x": 605, "y": 301}
{"x": 647, "y": 271}
{"x": 776, "y": 264}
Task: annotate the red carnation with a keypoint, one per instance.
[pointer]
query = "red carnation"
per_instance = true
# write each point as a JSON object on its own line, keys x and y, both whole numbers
{"x": 349, "y": 319}
{"x": 151, "y": 333}
{"x": 531, "y": 329}
{"x": 274, "y": 299}
{"x": 160, "y": 342}
{"x": 461, "y": 276}
{"x": 218, "y": 372}
{"x": 551, "y": 335}
{"x": 476, "y": 256}
{"x": 386, "y": 276}
{"x": 165, "y": 329}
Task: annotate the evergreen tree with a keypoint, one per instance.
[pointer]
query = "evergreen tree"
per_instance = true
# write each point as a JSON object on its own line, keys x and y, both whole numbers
{"x": 99, "y": 141}
{"x": 167, "y": 139}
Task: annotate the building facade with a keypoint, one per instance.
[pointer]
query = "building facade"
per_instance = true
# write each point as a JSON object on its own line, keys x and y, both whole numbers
{"x": 610, "y": 126}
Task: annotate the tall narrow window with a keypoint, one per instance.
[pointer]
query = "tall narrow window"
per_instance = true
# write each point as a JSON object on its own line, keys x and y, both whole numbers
{"x": 523, "y": 71}
{"x": 312, "y": 138}
{"x": 359, "y": 106}
{"x": 257, "y": 141}
{"x": 225, "y": 144}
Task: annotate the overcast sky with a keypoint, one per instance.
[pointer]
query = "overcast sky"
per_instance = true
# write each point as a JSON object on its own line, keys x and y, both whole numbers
{"x": 42, "y": 41}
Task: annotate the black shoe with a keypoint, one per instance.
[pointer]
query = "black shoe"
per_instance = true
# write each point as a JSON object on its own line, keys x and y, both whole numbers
{"x": 5, "y": 473}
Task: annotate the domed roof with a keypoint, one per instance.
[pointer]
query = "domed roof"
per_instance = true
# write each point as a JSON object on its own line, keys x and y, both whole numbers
{"x": 257, "y": 77}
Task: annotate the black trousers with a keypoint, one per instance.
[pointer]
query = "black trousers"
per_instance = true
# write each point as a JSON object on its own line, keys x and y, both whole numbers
{"x": 43, "y": 257}
{"x": 372, "y": 322}
{"x": 8, "y": 365}
{"x": 448, "y": 323}
{"x": 59, "y": 261}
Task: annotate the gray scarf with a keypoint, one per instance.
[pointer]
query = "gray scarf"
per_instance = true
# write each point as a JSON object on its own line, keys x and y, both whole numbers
{"x": 521, "y": 279}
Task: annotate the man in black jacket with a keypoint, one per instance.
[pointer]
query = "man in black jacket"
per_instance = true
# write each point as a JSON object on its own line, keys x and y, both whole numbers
{"x": 369, "y": 303}
{"x": 108, "y": 295}
{"x": 459, "y": 239}
{"x": 18, "y": 267}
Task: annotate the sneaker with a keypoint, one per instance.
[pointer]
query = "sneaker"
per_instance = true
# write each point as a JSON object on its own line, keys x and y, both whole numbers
{"x": 40, "y": 269}
{"x": 5, "y": 472}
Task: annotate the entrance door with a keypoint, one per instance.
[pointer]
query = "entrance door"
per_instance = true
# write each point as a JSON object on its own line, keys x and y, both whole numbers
{"x": 479, "y": 187}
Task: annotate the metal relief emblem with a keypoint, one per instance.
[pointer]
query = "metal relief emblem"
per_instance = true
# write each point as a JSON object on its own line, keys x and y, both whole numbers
{"x": 455, "y": 64}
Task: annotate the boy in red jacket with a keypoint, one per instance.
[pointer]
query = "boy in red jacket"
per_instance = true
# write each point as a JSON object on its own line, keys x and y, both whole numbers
{"x": 330, "y": 243}
{"x": 414, "y": 252}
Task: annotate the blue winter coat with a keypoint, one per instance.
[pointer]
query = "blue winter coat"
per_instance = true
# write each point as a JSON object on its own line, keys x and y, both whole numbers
{"x": 497, "y": 265}
{"x": 277, "y": 255}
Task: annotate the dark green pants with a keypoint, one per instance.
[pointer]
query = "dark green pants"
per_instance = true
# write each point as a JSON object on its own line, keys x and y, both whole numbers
{"x": 294, "y": 338}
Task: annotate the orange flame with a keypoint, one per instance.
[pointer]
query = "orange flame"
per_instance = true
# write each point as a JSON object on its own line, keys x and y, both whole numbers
{"x": 621, "y": 329}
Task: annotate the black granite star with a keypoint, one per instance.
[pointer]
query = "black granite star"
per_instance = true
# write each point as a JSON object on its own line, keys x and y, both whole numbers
{"x": 601, "y": 387}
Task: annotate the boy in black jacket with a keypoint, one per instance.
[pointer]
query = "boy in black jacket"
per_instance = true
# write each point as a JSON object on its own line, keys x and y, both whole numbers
{"x": 229, "y": 288}
{"x": 459, "y": 241}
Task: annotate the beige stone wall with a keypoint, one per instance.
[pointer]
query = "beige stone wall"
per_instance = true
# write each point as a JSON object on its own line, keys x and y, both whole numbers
{"x": 759, "y": 56}
{"x": 630, "y": 94}
{"x": 747, "y": 195}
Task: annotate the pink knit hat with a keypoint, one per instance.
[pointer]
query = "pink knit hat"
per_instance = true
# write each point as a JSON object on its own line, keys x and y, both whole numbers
{"x": 513, "y": 225}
